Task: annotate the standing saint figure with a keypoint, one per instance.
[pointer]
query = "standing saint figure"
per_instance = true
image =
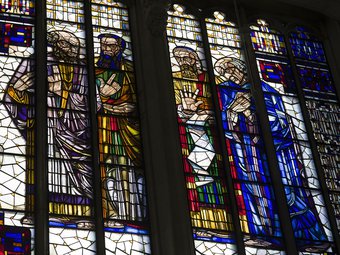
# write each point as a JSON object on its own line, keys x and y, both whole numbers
{"x": 19, "y": 102}
{"x": 69, "y": 166}
{"x": 247, "y": 159}
{"x": 119, "y": 133}
{"x": 305, "y": 218}
{"x": 207, "y": 205}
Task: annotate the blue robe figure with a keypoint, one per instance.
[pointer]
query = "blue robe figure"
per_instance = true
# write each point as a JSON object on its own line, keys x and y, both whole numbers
{"x": 242, "y": 135}
{"x": 304, "y": 217}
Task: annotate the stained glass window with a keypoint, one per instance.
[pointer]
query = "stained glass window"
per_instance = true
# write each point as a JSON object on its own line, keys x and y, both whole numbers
{"x": 69, "y": 137}
{"x": 305, "y": 202}
{"x": 94, "y": 174}
{"x": 120, "y": 147}
{"x": 201, "y": 152}
{"x": 70, "y": 169}
{"x": 267, "y": 40}
{"x": 17, "y": 126}
{"x": 70, "y": 159}
{"x": 257, "y": 209}
{"x": 246, "y": 158}
{"x": 322, "y": 104}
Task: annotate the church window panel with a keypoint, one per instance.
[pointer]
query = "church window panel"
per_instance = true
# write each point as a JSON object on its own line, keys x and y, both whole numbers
{"x": 267, "y": 40}
{"x": 126, "y": 231}
{"x": 322, "y": 104}
{"x": 247, "y": 160}
{"x": 316, "y": 79}
{"x": 306, "y": 46}
{"x": 305, "y": 202}
{"x": 120, "y": 144}
{"x": 68, "y": 241}
{"x": 70, "y": 170}
{"x": 17, "y": 126}
{"x": 65, "y": 10}
{"x": 201, "y": 152}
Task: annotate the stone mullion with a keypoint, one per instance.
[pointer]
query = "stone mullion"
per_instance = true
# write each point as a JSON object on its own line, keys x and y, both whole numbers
{"x": 313, "y": 145}
{"x": 97, "y": 188}
{"x": 41, "y": 147}
{"x": 170, "y": 227}
{"x": 276, "y": 178}
{"x": 227, "y": 173}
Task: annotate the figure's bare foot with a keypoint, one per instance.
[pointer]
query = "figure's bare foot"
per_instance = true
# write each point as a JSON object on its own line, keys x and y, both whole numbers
{"x": 113, "y": 224}
{"x": 219, "y": 234}
{"x": 318, "y": 248}
{"x": 257, "y": 242}
{"x": 203, "y": 234}
{"x": 85, "y": 224}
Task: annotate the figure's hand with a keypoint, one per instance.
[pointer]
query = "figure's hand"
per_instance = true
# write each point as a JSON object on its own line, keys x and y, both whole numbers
{"x": 24, "y": 82}
{"x": 54, "y": 81}
{"x": 189, "y": 110}
{"x": 110, "y": 87}
{"x": 241, "y": 103}
{"x": 123, "y": 108}
{"x": 188, "y": 100}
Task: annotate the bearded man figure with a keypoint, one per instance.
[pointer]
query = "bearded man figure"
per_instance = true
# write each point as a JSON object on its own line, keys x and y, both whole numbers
{"x": 70, "y": 171}
{"x": 248, "y": 161}
{"x": 69, "y": 158}
{"x": 119, "y": 134}
{"x": 195, "y": 118}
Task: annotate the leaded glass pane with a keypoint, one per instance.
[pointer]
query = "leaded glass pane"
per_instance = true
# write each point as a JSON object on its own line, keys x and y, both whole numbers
{"x": 322, "y": 104}
{"x": 120, "y": 144}
{"x": 306, "y": 206}
{"x": 70, "y": 170}
{"x": 201, "y": 152}
{"x": 257, "y": 209}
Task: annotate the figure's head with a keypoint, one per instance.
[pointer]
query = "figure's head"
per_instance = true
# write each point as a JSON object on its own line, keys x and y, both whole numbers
{"x": 232, "y": 69}
{"x": 188, "y": 61}
{"x": 65, "y": 45}
{"x": 111, "y": 45}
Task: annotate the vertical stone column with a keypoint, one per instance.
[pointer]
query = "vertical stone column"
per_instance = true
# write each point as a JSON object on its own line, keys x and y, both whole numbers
{"x": 168, "y": 209}
{"x": 40, "y": 173}
{"x": 97, "y": 189}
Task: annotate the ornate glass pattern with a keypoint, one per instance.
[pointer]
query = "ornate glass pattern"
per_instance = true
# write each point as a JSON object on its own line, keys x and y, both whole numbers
{"x": 306, "y": 46}
{"x": 120, "y": 147}
{"x": 305, "y": 203}
{"x": 252, "y": 185}
{"x": 65, "y": 10}
{"x": 265, "y": 39}
{"x": 70, "y": 169}
{"x": 323, "y": 106}
{"x": 22, "y": 7}
{"x": 17, "y": 127}
{"x": 201, "y": 153}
